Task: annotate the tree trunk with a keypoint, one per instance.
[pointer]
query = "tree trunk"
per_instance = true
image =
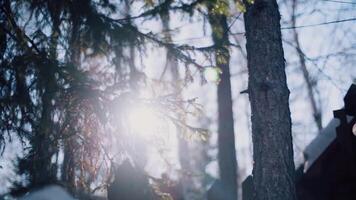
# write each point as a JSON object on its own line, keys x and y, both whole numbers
{"x": 226, "y": 138}
{"x": 183, "y": 147}
{"x": 273, "y": 170}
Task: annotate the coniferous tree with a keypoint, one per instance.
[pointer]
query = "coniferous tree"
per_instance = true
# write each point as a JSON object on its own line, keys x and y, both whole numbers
{"x": 51, "y": 95}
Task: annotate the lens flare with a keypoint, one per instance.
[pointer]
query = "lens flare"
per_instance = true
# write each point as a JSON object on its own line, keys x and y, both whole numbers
{"x": 212, "y": 74}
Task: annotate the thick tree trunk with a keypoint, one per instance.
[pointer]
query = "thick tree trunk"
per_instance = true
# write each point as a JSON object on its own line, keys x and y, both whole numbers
{"x": 226, "y": 138}
{"x": 273, "y": 170}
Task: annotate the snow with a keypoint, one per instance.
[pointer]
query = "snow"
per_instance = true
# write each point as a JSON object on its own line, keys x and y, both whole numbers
{"x": 52, "y": 192}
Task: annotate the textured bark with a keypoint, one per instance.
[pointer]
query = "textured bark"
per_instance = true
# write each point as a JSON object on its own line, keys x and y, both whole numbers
{"x": 273, "y": 170}
{"x": 226, "y": 138}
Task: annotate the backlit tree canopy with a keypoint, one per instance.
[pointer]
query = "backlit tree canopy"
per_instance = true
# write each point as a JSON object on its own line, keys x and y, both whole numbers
{"x": 67, "y": 75}
{"x": 86, "y": 85}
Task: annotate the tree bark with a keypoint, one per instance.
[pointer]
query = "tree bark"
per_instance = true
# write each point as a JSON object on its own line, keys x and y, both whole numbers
{"x": 226, "y": 138}
{"x": 273, "y": 170}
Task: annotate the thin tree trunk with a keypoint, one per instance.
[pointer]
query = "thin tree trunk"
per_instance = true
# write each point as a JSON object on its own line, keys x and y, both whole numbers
{"x": 226, "y": 138}
{"x": 183, "y": 147}
{"x": 306, "y": 75}
{"x": 273, "y": 170}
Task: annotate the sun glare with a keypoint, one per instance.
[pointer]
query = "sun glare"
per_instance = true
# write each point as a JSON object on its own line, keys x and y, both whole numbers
{"x": 145, "y": 121}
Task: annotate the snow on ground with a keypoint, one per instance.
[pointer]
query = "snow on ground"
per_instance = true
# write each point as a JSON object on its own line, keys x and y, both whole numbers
{"x": 52, "y": 192}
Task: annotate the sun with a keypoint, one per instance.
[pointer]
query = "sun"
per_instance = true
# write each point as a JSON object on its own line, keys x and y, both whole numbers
{"x": 145, "y": 121}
